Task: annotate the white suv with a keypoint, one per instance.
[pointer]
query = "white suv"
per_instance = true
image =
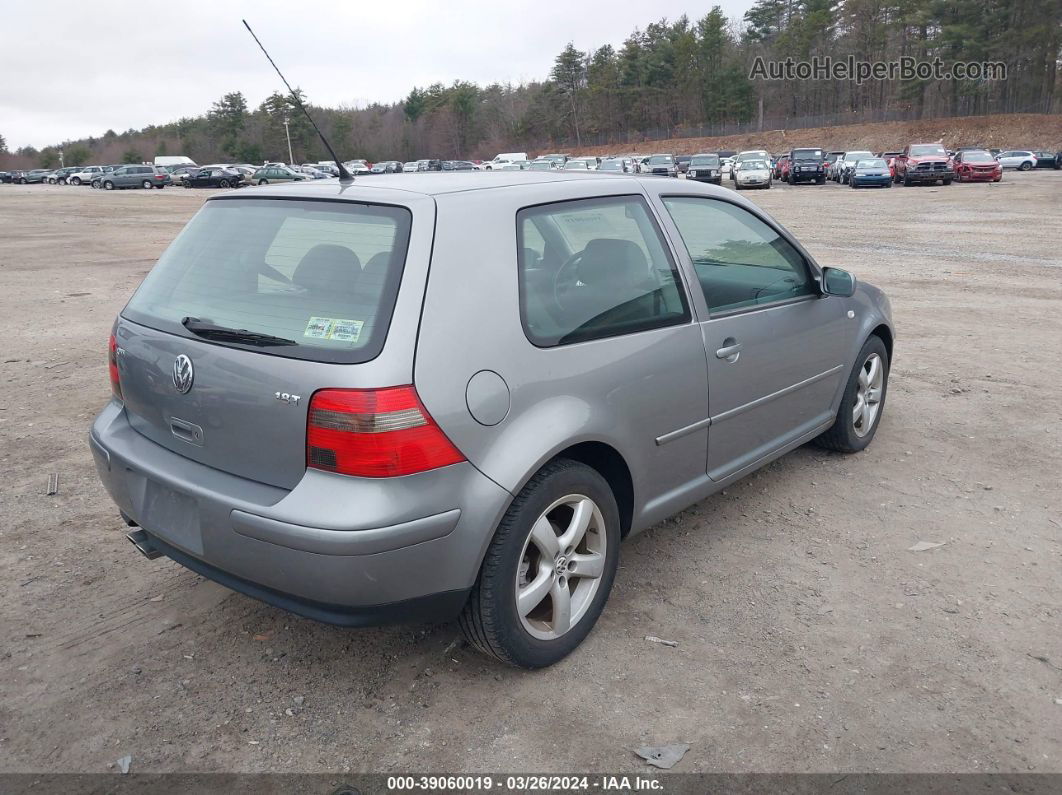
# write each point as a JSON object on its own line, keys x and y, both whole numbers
{"x": 85, "y": 175}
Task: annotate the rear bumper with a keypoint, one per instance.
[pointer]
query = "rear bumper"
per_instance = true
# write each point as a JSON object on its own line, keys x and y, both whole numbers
{"x": 351, "y": 551}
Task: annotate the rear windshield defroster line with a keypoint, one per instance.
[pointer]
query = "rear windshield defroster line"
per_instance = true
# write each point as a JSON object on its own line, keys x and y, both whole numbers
{"x": 322, "y": 274}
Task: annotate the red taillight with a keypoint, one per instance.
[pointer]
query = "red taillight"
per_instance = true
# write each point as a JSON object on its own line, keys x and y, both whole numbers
{"x": 112, "y": 366}
{"x": 374, "y": 433}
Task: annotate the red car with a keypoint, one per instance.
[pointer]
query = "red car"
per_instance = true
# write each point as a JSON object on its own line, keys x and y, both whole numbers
{"x": 923, "y": 163}
{"x": 977, "y": 165}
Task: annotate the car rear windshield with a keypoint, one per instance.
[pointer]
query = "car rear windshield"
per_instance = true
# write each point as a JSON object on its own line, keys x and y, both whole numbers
{"x": 320, "y": 274}
{"x": 807, "y": 154}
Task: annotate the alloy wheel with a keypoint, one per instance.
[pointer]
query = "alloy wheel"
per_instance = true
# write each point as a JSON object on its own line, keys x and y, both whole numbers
{"x": 560, "y": 567}
{"x": 868, "y": 395}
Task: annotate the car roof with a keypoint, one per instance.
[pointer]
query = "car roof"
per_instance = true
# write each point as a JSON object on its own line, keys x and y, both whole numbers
{"x": 433, "y": 184}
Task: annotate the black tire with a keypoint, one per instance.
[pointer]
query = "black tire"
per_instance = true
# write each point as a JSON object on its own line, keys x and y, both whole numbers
{"x": 76, "y": 180}
{"x": 947, "y": 180}
{"x": 266, "y": 181}
{"x": 820, "y": 180}
{"x": 842, "y": 436}
{"x": 907, "y": 181}
{"x": 1026, "y": 165}
{"x": 490, "y": 620}
{"x": 223, "y": 184}
{"x": 147, "y": 184}
{"x": 23, "y": 181}
{"x": 108, "y": 185}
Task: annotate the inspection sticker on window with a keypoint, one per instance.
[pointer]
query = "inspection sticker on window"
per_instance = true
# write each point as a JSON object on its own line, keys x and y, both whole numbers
{"x": 330, "y": 328}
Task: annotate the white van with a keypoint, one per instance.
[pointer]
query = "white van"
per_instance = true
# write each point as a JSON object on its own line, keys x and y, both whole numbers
{"x": 504, "y": 159}
{"x": 174, "y": 160}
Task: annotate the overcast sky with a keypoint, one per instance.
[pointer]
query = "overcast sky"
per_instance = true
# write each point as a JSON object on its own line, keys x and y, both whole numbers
{"x": 73, "y": 69}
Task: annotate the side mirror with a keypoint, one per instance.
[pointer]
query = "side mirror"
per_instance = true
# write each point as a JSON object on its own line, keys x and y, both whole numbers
{"x": 838, "y": 282}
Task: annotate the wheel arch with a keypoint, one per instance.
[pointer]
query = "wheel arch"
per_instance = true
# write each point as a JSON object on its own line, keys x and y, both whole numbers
{"x": 885, "y": 333}
{"x": 607, "y": 461}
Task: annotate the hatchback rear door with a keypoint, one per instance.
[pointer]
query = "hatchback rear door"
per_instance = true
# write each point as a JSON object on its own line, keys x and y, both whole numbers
{"x": 203, "y": 365}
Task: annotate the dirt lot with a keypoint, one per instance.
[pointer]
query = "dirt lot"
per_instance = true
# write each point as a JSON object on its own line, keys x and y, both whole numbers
{"x": 810, "y": 638}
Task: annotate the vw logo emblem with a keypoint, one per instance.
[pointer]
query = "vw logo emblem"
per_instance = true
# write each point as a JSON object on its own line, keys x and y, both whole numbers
{"x": 183, "y": 374}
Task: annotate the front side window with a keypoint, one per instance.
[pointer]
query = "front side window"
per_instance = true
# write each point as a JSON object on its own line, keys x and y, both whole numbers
{"x": 740, "y": 260}
{"x": 595, "y": 268}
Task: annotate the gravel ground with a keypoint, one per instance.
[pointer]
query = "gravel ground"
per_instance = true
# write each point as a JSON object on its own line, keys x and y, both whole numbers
{"x": 809, "y": 637}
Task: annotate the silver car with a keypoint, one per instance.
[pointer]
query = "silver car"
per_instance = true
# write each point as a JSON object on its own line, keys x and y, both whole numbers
{"x": 316, "y": 404}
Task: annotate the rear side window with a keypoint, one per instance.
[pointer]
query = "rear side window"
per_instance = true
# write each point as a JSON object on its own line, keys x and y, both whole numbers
{"x": 322, "y": 275}
{"x": 595, "y": 268}
{"x": 740, "y": 260}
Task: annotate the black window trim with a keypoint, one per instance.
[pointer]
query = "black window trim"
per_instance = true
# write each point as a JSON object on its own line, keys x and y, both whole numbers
{"x": 318, "y": 355}
{"x": 680, "y": 280}
{"x": 814, "y": 272}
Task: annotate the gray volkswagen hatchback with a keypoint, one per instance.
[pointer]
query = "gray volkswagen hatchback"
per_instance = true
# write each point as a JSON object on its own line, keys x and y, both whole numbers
{"x": 453, "y": 395}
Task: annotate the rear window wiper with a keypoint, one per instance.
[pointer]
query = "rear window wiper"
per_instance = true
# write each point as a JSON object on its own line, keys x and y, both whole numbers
{"x": 210, "y": 331}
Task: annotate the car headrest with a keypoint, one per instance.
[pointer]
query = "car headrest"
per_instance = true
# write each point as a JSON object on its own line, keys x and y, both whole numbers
{"x": 328, "y": 268}
{"x": 610, "y": 261}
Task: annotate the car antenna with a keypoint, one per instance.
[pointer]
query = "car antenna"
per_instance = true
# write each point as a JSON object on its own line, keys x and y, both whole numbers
{"x": 345, "y": 177}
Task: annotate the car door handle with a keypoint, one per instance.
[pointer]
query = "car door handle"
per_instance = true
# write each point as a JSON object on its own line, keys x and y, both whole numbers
{"x": 729, "y": 351}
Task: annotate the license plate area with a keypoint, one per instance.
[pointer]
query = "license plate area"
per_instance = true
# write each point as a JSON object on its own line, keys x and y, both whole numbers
{"x": 169, "y": 514}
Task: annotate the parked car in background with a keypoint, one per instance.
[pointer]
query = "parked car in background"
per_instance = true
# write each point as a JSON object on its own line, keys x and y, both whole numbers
{"x": 136, "y": 176}
{"x": 1047, "y": 159}
{"x": 311, "y": 171}
{"x": 830, "y": 159}
{"x": 558, "y": 159}
{"x": 923, "y": 163}
{"x": 780, "y": 166}
{"x": 5, "y": 177}
{"x": 683, "y": 162}
{"x": 662, "y": 166}
{"x": 806, "y": 165}
{"x": 504, "y": 159}
{"x": 749, "y": 154}
{"x": 513, "y": 458}
{"x": 613, "y": 165}
{"x": 870, "y": 172}
{"x": 1021, "y": 159}
{"x": 575, "y": 164}
{"x": 410, "y": 167}
{"x": 264, "y": 176}
{"x": 213, "y": 177}
{"x": 59, "y": 176}
{"x": 976, "y": 165}
{"x": 752, "y": 174}
{"x": 542, "y": 164}
{"x": 726, "y": 166}
{"x": 706, "y": 167}
{"x": 386, "y": 167}
{"x": 842, "y": 169}
{"x": 357, "y": 167}
{"x": 85, "y": 175}
{"x": 34, "y": 176}
{"x": 179, "y": 173}
{"x": 890, "y": 158}
{"x": 465, "y": 165}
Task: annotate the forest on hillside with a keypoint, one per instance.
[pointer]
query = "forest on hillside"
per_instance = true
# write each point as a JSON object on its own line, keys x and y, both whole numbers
{"x": 663, "y": 80}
